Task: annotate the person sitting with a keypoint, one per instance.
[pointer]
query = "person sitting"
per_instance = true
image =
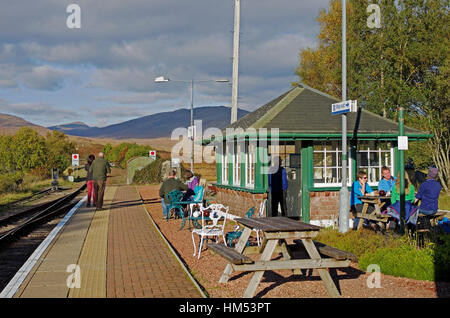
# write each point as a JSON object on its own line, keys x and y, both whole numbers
{"x": 428, "y": 193}
{"x": 168, "y": 185}
{"x": 387, "y": 181}
{"x": 360, "y": 188}
{"x": 394, "y": 209}
{"x": 192, "y": 182}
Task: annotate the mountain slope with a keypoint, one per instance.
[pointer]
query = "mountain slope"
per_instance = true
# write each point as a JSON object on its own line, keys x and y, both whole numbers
{"x": 156, "y": 125}
{"x": 10, "y": 124}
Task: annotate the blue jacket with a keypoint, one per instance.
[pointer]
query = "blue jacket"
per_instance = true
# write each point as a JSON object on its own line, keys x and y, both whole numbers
{"x": 284, "y": 181}
{"x": 386, "y": 185}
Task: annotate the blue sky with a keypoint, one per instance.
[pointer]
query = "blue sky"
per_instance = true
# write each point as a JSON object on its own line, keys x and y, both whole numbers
{"x": 103, "y": 73}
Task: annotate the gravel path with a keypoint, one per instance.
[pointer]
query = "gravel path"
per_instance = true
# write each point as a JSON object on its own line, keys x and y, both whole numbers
{"x": 281, "y": 283}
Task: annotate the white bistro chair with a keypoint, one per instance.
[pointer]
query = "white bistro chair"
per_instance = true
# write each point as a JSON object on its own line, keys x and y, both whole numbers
{"x": 217, "y": 211}
{"x": 262, "y": 210}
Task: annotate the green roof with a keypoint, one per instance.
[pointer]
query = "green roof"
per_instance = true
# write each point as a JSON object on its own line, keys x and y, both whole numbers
{"x": 304, "y": 110}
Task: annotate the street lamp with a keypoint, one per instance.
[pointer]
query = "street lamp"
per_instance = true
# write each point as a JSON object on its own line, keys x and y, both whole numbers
{"x": 162, "y": 79}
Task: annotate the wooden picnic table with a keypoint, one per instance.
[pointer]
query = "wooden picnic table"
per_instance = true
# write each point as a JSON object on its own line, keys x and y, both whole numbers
{"x": 276, "y": 230}
{"x": 378, "y": 202}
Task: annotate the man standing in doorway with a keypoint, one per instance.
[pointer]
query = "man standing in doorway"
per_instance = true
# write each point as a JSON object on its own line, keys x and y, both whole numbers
{"x": 99, "y": 168}
{"x": 278, "y": 185}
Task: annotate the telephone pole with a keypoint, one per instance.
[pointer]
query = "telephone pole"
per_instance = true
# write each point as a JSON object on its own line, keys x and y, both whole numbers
{"x": 235, "y": 76}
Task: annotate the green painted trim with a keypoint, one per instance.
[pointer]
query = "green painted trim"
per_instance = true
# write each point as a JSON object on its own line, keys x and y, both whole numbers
{"x": 256, "y": 191}
{"x": 242, "y": 164}
{"x": 307, "y": 168}
{"x": 218, "y": 168}
{"x": 353, "y": 156}
{"x": 275, "y": 110}
{"x": 335, "y": 136}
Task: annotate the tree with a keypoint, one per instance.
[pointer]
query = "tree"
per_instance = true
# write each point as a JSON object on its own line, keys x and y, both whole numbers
{"x": 60, "y": 149}
{"x": 403, "y": 63}
{"x": 27, "y": 150}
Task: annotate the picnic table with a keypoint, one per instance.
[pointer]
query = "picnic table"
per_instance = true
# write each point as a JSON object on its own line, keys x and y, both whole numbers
{"x": 378, "y": 202}
{"x": 276, "y": 230}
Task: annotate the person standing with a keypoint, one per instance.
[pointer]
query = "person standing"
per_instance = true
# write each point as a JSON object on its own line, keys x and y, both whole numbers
{"x": 90, "y": 182}
{"x": 278, "y": 185}
{"x": 99, "y": 168}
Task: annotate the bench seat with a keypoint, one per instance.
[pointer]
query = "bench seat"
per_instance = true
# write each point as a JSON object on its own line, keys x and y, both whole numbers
{"x": 330, "y": 251}
{"x": 230, "y": 254}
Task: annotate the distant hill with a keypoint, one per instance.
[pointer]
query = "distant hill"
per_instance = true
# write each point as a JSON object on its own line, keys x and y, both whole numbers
{"x": 154, "y": 126}
{"x": 10, "y": 124}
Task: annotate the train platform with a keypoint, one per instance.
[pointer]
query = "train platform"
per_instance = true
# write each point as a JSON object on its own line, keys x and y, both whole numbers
{"x": 117, "y": 252}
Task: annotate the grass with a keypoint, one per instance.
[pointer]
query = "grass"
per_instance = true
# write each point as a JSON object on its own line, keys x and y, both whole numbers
{"x": 444, "y": 201}
{"x": 30, "y": 186}
{"x": 395, "y": 255}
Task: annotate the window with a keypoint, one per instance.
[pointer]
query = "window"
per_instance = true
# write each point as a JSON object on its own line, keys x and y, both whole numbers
{"x": 250, "y": 165}
{"x": 225, "y": 168}
{"x": 237, "y": 165}
{"x": 372, "y": 156}
{"x": 327, "y": 161}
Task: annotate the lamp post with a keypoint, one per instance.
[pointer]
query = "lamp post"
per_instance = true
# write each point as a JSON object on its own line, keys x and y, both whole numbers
{"x": 162, "y": 79}
{"x": 343, "y": 193}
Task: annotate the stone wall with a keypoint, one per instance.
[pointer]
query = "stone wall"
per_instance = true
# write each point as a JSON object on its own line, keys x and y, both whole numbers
{"x": 239, "y": 201}
{"x": 324, "y": 205}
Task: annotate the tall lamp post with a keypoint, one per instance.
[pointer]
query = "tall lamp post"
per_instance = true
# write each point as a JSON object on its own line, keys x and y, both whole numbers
{"x": 162, "y": 79}
{"x": 343, "y": 193}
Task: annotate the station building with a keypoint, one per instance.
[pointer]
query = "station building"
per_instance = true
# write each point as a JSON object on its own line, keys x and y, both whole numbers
{"x": 298, "y": 127}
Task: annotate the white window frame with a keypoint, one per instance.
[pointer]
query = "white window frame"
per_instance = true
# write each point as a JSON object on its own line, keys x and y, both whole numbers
{"x": 225, "y": 168}
{"x": 374, "y": 180}
{"x": 237, "y": 165}
{"x": 337, "y": 167}
{"x": 250, "y": 165}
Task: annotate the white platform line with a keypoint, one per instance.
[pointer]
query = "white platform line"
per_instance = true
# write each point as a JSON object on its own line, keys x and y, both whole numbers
{"x": 17, "y": 280}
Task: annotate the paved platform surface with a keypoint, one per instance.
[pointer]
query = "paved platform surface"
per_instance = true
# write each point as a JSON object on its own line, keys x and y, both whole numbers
{"x": 114, "y": 253}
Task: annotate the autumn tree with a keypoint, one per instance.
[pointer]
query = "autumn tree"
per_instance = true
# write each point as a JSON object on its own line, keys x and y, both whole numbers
{"x": 403, "y": 63}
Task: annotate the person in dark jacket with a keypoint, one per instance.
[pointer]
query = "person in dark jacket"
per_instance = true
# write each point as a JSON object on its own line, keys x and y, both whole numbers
{"x": 278, "y": 185}
{"x": 429, "y": 192}
{"x": 99, "y": 169}
{"x": 90, "y": 182}
{"x": 168, "y": 185}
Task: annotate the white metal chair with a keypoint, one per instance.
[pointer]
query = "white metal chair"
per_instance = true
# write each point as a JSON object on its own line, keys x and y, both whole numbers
{"x": 262, "y": 210}
{"x": 217, "y": 211}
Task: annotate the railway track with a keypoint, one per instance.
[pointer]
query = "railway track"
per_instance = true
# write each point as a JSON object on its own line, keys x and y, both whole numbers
{"x": 22, "y": 233}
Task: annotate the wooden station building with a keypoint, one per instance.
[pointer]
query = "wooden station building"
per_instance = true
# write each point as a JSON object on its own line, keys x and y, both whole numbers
{"x": 299, "y": 127}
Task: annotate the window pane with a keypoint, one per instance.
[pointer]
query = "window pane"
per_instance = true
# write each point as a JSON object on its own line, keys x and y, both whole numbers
{"x": 330, "y": 160}
{"x": 319, "y": 175}
{"x": 318, "y": 159}
{"x": 362, "y": 159}
{"x": 374, "y": 159}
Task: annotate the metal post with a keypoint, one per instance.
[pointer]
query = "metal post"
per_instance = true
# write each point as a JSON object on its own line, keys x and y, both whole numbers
{"x": 192, "y": 125}
{"x": 401, "y": 128}
{"x": 235, "y": 80}
{"x": 343, "y": 193}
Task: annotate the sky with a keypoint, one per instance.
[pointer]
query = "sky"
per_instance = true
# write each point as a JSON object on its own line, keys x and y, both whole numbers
{"x": 103, "y": 72}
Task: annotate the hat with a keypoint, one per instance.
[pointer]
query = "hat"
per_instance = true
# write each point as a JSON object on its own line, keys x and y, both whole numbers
{"x": 432, "y": 173}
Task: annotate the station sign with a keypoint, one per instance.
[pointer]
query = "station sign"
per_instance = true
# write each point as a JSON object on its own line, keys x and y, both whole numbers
{"x": 349, "y": 106}
{"x": 152, "y": 154}
{"x": 75, "y": 160}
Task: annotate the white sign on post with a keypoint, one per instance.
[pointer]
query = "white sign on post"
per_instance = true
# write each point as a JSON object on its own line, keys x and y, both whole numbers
{"x": 402, "y": 142}
{"x": 152, "y": 154}
{"x": 75, "y": 160}
{"x": 191, "y": 132}
{"x": 349, "y": 106}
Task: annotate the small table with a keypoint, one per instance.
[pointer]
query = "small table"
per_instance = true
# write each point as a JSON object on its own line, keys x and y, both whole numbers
{"x": 378, "y": 202}
{"x": 276, "y": 230}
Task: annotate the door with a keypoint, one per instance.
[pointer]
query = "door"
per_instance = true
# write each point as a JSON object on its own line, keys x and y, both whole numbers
{"x": 294, "y": 193}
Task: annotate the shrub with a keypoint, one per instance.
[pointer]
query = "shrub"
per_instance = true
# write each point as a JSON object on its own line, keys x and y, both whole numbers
{"x": 10, "y": 182}
{"x": 150, "y": 174}
{"x": 402, "y": 261}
